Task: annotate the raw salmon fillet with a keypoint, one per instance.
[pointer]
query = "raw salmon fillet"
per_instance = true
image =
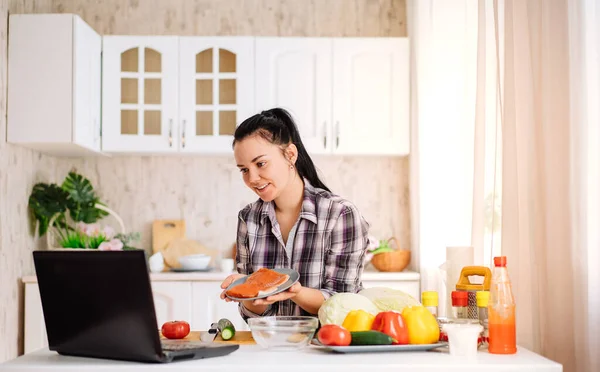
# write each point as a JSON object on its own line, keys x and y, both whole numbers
{"x": 259, "y": 283}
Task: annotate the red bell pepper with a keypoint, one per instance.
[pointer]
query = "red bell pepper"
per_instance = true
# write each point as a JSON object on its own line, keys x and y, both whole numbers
{"x": 392, "y": 324}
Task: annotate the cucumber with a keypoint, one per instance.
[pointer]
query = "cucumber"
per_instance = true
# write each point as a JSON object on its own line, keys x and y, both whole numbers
{"x": 370, "y": 338}
{"x": 226, "y": 329}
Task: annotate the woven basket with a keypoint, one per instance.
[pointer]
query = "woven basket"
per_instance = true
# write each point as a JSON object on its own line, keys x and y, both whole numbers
{"x": 397, "y": 260}
{"x": 51, "y": 236}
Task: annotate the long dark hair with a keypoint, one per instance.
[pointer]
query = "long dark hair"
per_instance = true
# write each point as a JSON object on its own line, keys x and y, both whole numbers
{"x": 277, "y": 126}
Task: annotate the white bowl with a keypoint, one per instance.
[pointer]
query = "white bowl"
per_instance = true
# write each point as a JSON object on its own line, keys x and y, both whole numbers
{"x": 194, "y": 262}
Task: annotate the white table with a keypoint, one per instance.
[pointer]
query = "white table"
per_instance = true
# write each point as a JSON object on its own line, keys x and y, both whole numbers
{"x": 253, "y": 358}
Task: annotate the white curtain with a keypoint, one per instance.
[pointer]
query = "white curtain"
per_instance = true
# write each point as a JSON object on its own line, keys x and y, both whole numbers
{"x": 507, "y": 107}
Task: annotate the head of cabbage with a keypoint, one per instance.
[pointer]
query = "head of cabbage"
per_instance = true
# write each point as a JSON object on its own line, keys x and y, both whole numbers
{"x": 335, "y": 309}
{"x": 387, "y": 299}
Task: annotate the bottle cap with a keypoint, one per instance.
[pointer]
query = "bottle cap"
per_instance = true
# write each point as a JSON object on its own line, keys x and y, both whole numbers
{"x": 500, "y": 261}
{"x": 483, "y": 298}
{"x": 460, "y": 298}
{"x": 429, "y": 298}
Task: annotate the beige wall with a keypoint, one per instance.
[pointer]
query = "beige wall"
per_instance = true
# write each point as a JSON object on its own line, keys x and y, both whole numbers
{"x": 206, "y": 191}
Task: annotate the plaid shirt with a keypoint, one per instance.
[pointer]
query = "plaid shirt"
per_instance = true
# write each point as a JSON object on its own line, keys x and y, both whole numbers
{"x": 328, "y": 251}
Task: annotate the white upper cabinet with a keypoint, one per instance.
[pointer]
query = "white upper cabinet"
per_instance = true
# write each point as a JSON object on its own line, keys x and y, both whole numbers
{"x": 216, "y": 81}
{"x": 140, "y": 94}
{"x": 347, "y": 95}
{"x": 371, "y": 96}
{"x": 296, "y": 74}
{"x": 54, "y": 86}
{"x": 165, "y": 94}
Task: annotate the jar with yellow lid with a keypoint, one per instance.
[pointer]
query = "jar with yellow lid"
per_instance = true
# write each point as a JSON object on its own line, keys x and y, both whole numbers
{"x": 483, "y": 298}
{"x": 430, "y": 302}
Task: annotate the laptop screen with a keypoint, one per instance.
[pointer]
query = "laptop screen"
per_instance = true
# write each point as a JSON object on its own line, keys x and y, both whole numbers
{"x": 98, "y": 303}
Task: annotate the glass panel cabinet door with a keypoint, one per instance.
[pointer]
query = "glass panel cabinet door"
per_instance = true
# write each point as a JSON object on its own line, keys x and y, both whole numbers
{"x": 216, "y": 81}
{"x": 371, "y": 96}
{"x": 140, "y": 95}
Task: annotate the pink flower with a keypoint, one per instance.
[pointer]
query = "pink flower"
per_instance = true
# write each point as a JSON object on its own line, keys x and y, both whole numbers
{"x": 108, "y": 232}
{"x": 113, "y": 245}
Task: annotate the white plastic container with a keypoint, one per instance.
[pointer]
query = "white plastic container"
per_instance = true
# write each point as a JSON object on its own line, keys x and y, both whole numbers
{"x": 462, "y": 338}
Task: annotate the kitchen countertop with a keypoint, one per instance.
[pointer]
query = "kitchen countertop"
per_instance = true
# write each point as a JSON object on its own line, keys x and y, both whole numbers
{"x": 218, "y": 276}
{"x": 254, "y": 358}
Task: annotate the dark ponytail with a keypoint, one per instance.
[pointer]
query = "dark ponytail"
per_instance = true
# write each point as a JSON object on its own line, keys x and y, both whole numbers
{"x": 278, "y": 127}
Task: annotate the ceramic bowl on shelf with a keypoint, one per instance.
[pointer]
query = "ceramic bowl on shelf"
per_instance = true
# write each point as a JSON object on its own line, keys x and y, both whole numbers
{"x": 194, "y": 262}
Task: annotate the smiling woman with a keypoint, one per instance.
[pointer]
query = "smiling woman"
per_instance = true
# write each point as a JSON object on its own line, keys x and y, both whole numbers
{"x": 297, "y": 222}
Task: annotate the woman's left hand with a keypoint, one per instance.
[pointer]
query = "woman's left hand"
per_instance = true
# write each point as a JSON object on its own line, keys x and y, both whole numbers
{"x": 286, "y": 295}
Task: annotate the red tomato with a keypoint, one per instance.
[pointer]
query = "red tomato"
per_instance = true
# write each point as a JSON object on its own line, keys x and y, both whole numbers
{"x": 334, "y": 335}
{"x": 175, "y": 329}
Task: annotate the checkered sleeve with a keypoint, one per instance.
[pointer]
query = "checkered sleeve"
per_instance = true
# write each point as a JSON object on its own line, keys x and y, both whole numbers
{"x": 243, "y": 265}
{"x": 344, "y": 260}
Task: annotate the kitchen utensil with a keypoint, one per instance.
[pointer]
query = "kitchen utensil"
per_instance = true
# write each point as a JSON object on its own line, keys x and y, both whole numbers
{"x": 375, "y": 348}
{"x": 156, "y": 262}
{"x": 194, "y": 261}
{"x": 211, "y": 334}
{"x": 182, "y": 247}
{"x": 227, "y": 265}
{"x": 464, "y": 284}
{"x": 294, "y": 277}
{"x": 284, "y": 333}
{"x": 164, "y": 231}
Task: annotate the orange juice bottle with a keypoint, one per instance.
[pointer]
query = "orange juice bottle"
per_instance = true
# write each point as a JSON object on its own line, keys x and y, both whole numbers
{"x": 501, "y": 311}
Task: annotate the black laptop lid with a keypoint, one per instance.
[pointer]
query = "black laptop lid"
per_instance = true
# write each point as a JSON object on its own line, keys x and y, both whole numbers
{"x": 98, "y": 304}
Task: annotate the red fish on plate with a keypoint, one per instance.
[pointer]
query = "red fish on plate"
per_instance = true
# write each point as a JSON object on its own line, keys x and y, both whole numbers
{"x": 260, "y": 283}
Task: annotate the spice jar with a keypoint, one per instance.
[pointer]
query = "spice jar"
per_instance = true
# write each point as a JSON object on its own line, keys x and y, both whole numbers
{"x": 430, "y": 301}
{"x": 460, "y": 305}
{"x": 483, "y": 298}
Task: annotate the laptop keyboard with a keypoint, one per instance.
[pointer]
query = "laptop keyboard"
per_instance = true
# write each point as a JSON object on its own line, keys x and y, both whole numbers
{"x": 177, "y": 346}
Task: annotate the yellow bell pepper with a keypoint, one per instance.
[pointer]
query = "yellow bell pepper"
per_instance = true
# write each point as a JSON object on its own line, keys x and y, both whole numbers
{"x": 422, "y": 326}
{"x": 358, "y": 320}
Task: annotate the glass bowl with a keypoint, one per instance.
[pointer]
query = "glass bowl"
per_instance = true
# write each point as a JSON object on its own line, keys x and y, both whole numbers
{"x": 283, "y": 333}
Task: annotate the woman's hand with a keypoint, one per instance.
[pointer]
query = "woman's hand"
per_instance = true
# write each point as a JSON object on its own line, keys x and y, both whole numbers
{"x": 286, "y": 295}
{"x": 227, "y": 282}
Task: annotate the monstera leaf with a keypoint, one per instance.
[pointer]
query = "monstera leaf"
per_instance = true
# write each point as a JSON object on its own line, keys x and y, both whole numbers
{"x": 82, "y": 199}
{"x": 45, "y": 201}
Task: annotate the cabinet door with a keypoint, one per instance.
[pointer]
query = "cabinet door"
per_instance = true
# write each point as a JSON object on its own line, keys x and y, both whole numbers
{"x": 172, "y": 301}
{"x": 295, "y": 74}
{"x": 209, "y": 307}
{"x": 139, "y": 94}
{"x": 216, "y": 81}
{"x": 86, "y": 85}
{"x": 371, "y": 96}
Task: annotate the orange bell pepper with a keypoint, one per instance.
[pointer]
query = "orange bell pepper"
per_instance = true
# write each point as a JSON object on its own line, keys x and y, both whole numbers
{"x": 392, "y": 324}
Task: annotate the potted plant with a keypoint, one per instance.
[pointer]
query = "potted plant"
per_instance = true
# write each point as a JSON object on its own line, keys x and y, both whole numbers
{"x": 69, "y": 216}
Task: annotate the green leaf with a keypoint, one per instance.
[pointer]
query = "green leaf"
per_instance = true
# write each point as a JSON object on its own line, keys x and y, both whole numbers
{"x": 82, "y": 199}
{"x": 45, "y": 201}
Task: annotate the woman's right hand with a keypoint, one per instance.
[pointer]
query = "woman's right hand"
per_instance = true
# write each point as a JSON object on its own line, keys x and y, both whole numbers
{"x": 227, "y": 282}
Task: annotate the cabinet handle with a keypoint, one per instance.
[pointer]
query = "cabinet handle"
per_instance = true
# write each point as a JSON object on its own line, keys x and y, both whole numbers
{"x": 170, "y": 132}
{"x": 325, "y": 134}
{"x": 183, "y": 134}
{"x": 337, "y": 134}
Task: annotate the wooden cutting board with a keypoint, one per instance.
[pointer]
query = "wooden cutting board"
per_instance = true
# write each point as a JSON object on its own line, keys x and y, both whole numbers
{"x": 240, "y": 338}
{"x": 183, "y": 247}
{"x": 164, "y": 231}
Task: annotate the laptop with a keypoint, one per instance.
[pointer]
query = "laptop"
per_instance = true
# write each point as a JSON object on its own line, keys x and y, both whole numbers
{"x": 99, "y": 304}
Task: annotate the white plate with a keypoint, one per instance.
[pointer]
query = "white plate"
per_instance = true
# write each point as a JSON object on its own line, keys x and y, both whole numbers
{"x": 375, "y": 348}
{"x": 294, "y": 277}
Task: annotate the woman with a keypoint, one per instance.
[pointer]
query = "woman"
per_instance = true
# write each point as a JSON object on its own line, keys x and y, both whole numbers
{"x": 297, "y": 223}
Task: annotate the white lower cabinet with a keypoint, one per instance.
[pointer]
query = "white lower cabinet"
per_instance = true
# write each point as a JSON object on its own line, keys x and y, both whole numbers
{"x": 172, "y": 301}
{"x": 209, "y": 308}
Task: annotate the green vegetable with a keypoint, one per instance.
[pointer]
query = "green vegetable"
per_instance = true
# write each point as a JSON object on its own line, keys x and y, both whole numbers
{"x": 226, "y": 329}
{"x": 388, "y": 299}
{"x": 335, "y": 309}
{"x": 370, "y": 338}
{"x": 382, "y": 250}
